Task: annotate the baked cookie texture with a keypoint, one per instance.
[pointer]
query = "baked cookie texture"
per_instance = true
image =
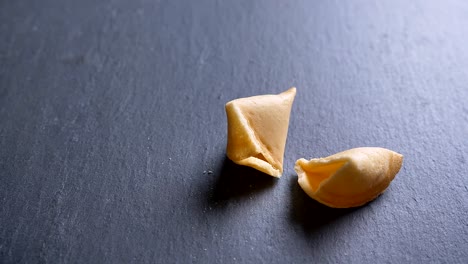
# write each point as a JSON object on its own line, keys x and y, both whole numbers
{"x": 257, "y": 130}
{"x": 350, "y": 178}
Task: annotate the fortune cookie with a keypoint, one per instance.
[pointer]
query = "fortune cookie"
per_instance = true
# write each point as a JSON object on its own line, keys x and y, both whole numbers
{"x": 257, "y": 130}
{"x": 350, "y": 178}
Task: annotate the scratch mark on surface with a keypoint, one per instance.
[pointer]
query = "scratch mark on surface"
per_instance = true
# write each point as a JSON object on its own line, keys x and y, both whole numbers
{"x": 203, "y": 56}
{"x": 148, "y": 163}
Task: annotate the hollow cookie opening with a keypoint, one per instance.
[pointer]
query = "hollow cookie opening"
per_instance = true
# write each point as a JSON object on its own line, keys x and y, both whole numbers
{"x": 260, "y": 162}
{"x": 260, "y": 157}
{"x": 316, "y": 173}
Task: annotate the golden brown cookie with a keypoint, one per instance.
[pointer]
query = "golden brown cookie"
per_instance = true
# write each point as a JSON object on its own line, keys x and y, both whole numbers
{"x": 257, "y": 130}
{"x": 349, "y": 178}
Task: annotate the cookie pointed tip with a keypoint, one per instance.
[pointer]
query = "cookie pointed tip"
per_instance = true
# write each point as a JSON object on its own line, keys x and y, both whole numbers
{"x": 291, "y": 91}
{"x": 395, "y": 165}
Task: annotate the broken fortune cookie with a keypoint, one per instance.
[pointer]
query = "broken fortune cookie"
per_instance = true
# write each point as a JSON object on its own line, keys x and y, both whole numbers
{"x": 350, "y": 178}
{"x": 257, "y": 130}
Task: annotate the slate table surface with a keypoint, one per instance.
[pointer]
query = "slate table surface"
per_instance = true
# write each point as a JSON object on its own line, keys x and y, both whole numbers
{"x": 113, "y": 129}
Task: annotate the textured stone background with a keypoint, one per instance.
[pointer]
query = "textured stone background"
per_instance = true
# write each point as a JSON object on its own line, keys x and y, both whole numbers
{"x": 111, "y": 111}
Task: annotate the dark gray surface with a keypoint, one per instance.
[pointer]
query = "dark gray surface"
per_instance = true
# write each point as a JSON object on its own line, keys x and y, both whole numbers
{"x": 111, "y": 111}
